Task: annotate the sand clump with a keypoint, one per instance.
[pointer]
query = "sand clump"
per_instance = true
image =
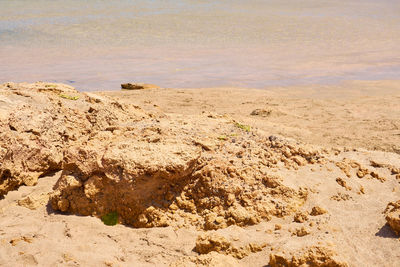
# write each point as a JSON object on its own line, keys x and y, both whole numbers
{"x": 34, "y": 200}
{"x": 211, "y": 259}
{"x": 261, "y": 112}
{"x": 317, "y": 255}
{"x": 209, "y": 242}
{"x": 392, "y": 212}
{"x": 318, "y": 211}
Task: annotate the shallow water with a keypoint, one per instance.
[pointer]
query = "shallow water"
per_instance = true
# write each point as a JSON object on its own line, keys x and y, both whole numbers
{"x": 97, "y": 44}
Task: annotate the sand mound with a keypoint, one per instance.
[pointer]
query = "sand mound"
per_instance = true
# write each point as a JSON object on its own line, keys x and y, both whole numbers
{"x": 159, "y": 174}
{"x": 226, "y": 193}
{"x": 39, "y": 121}
{"x": 147, "y": 168}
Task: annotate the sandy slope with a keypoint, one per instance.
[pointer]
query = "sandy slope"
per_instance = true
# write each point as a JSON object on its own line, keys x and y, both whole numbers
{"x": 353, "y": 227}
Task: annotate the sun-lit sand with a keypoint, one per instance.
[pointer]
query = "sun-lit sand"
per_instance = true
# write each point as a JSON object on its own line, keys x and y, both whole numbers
{"x": 219, "y": 177}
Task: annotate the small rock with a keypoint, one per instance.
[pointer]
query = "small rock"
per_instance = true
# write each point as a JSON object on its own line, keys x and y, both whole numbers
{"x": 34, "y": 201}
{"x": 300, "y": 232}
{"x": 318, "y": 211}
{"x": 207, "y": 243}
{"x": 362, "y": 172}
{"x": 230, "y": 199}
{"x": 138, "y": 86}
{"x": 317, "y": 256}
{"x": 343, "y": 183}
{"x": 261, "y": 112}
{"x": 300, "y": 217}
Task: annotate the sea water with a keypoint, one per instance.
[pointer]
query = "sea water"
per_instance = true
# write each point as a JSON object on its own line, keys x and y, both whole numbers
{"x": 98, "y": 44}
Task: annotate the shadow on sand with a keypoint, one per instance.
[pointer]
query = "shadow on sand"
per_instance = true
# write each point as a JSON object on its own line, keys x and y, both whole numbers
{"x": 386, "y": 232}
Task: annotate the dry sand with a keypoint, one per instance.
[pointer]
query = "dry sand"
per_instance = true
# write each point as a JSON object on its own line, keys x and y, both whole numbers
{"x": 353, "y": 114}
{"x": 355, "y": 127}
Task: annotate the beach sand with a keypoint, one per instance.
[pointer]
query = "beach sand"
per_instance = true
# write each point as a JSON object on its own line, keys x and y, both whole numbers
{"x": 357, "y": 114}
{"x": 354, "y": 126}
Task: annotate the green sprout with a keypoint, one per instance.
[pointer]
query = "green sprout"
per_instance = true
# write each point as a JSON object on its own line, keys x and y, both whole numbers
{"x": 69, "y": 97}
{"x": 110, "y": 218}
{"x": 243, "y": 126}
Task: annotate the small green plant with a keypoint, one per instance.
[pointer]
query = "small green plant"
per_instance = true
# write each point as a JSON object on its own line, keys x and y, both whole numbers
{"x": 110, "y": 218}
{"x": 222, "y": 137}
{"x": 69, "y": 97}
{"x": 50, "y": 86}
{"x": 243, "y": 126}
